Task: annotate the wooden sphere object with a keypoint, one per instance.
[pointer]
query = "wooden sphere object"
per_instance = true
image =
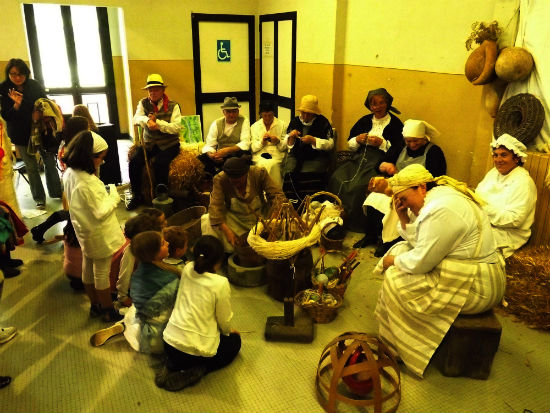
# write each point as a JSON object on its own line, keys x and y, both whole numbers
{"x": 480, "y": 65}
{"x": 343, "y": 377}
{"x": 514, "y": 64}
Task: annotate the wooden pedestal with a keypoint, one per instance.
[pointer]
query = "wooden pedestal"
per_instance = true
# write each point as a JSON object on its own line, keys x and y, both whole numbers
{"x": 469, "y": 346}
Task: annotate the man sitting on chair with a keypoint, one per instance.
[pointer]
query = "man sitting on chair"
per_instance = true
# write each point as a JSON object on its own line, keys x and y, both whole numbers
{"x": 228, "y": 136}
{"x": 160, "y": 119}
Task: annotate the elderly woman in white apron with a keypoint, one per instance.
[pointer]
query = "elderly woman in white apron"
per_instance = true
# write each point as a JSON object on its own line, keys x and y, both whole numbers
{"x": 419, "y": 149}
{"x": 267, "y": 144}
{"x": 448, "y": 264}
{"x": 240, "y": 192}
{"x": 510, "y": 193}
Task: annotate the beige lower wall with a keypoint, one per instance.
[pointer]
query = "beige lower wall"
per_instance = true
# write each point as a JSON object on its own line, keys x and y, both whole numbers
{"x": 448, "y": 102}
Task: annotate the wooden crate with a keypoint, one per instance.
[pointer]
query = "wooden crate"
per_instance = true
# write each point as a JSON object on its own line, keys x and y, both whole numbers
{"x": 537, "y": 165}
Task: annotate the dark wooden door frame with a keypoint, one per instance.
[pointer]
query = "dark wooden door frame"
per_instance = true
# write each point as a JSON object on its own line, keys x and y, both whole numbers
{"x": 215, "y": 97}
{"x": 279, "y": 100}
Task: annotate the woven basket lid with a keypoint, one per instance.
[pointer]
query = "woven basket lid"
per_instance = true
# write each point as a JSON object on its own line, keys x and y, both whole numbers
{"x": 521, "y": 116}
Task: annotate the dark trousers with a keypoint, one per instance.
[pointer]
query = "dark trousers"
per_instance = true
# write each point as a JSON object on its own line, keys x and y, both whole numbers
{"x": 160, "y": 166}
{"x": 227, "y": 351}
{"x": 212, "y": 167}
{"x": 374, "y": 222}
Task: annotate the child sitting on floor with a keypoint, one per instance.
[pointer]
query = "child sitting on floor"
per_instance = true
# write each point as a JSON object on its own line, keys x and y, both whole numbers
{"x": 192, "y": 339}
{"x": 177, "y": 246}
{"x": 124, "y": 263}
{"x": 154, "y": 288}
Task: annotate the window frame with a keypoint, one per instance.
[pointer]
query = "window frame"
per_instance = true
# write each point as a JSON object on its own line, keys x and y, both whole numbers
{"x": 76, "y": 90}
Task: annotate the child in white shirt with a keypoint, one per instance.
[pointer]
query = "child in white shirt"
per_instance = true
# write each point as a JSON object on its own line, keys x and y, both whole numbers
{"x": 198, "y": 338}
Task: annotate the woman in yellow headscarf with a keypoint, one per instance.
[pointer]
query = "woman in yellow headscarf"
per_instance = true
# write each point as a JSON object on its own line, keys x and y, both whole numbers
{"x": 448, "y": 264}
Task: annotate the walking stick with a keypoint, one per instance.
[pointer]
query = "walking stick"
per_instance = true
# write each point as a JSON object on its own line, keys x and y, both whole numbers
{"x": 142, "y": 144}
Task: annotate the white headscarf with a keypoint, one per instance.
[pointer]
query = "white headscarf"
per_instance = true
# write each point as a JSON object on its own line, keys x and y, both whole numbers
{"x": 99, "y": 144}
{"x": 512, "y": 144}
{"x": 413, "y": 128}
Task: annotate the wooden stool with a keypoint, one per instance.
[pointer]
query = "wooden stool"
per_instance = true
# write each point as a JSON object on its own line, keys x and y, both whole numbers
{"x": 469, "y": 346}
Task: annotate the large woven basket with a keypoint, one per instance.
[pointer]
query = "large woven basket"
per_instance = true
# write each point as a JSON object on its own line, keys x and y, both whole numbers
{"x": 320, "y": 313}
{"x": 339, "y": 289}
{"x": 521, "y": 116}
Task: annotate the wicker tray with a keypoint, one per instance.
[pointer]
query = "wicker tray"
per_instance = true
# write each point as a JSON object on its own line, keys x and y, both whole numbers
{"x": 320, "y": 313}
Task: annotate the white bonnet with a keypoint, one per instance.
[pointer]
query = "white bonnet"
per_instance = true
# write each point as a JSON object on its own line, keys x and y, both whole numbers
{"x": 99, "y": 144}
{"x": 413, "y": 128}
{"x": 512, "y": 144}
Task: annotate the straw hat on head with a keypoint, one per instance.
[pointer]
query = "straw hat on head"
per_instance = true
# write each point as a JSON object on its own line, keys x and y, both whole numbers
{"x": 154, "y": 79}
{"x": 310, "y": 104}
{"x": 230, "y": 103}
{"x": 413, "y": 128}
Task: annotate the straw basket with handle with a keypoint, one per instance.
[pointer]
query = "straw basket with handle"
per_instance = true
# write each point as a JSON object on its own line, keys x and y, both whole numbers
{"x": 320, "y": 311}
{"x": 325, "y": 241}
{"x": 334, "y": 285}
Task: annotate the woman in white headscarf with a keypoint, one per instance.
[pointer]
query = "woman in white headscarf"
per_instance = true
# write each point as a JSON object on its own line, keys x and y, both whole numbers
{"x": 418, "y": 149}
{"x": 510, "y": 194}
{"x": 448, "y": 264}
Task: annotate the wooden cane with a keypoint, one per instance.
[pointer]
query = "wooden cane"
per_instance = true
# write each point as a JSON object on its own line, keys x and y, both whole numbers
{"x": 142, "y": 144}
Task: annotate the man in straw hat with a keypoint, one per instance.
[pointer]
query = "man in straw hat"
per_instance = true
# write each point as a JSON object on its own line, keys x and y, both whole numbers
{"x": 240, "y": 193}
{"x": 510, "y": 193}
{"x": 160, "y": 119}
{"x": 448, "y": 264}
{"x": 228, "y": 136}
{"x": 309, "y": 139}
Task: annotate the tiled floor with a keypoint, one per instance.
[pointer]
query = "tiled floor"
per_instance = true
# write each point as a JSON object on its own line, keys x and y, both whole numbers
{"x": 56, "y": 370}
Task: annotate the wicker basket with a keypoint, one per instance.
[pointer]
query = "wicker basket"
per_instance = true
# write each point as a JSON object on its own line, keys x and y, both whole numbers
{"x": 521, "y": 116}
{"x": 320, "y": 313}
{"x": 339, "y": 289}
{"x": 330, "y": 243}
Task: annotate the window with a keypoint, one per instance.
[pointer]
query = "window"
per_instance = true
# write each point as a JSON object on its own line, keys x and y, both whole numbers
{"x": 71, "y": 56}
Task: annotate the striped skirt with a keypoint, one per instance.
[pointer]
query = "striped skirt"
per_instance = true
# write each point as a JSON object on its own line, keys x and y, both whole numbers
{"x": 415, "y": 311}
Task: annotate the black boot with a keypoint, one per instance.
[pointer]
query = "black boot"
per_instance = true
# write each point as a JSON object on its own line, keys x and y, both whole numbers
{"x": 39, "y": 230}
{"x": 7, "y": 261}
{"x": 10, "y": 272}
{"x": 383, "y": 247}
{"x": 373, "y": 228}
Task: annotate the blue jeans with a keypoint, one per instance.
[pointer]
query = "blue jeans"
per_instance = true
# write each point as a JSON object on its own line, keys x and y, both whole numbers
{"x": 53, "y": 182}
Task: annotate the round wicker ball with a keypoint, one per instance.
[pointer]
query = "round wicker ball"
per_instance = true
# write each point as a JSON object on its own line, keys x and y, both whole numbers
{"x": 358, "y": 370}
{"x": 514, "y": 64}
{"x": 521, "y": 116}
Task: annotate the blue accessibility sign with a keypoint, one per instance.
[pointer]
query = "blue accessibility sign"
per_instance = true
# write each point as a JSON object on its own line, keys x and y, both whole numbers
{"x": 224, "y": 50}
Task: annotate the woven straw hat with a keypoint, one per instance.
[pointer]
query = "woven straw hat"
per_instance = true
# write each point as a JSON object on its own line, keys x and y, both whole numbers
{"x": 154, "y": 79}
{"x": 310, "y": 104}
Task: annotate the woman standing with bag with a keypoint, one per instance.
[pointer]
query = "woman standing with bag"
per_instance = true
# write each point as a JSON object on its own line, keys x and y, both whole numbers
{"x": 93, "y": 215}
{"x": 19, "y": 93}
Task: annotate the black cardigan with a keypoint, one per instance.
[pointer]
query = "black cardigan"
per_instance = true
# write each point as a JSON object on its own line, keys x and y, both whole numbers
{"x": 19, "y": 121}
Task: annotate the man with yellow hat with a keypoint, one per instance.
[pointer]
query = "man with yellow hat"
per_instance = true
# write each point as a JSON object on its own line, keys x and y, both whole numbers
{"x": 448, "y": 264}
{"x": 309, "y": 139}
{"x": 160, "y": 119}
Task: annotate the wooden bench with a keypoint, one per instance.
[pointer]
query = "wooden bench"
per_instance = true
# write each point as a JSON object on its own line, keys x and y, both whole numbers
{"x": 469, "y": 346}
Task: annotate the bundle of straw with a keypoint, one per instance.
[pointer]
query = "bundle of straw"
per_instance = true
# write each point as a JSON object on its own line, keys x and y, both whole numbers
{"x": 528, "y": 286}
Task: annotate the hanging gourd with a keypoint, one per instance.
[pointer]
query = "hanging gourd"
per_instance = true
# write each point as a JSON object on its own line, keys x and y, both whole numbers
{"x": 514, "y": 64}
{"x": 480, "y": 66}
